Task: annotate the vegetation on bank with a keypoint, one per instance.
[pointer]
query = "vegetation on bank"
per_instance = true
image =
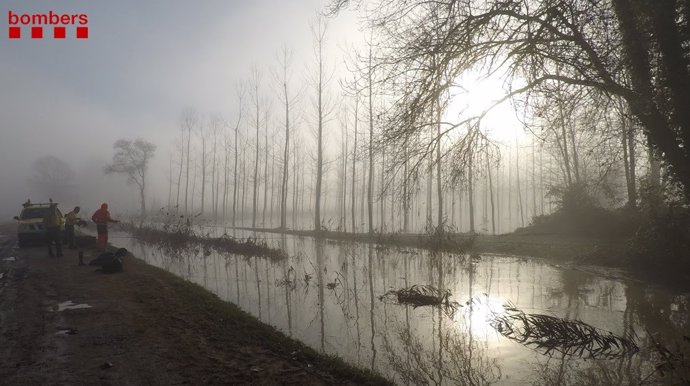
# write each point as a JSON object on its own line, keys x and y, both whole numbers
{"x": 436, "y": 240}
{"x": 653, "y": 236}
{"x": 180, "y": 236}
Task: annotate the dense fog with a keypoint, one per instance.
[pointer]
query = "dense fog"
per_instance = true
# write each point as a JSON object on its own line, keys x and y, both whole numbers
{"x": 217, "y": 87}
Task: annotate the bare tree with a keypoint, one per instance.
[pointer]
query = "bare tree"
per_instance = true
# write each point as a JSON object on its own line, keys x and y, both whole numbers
{"x": 256, "y": 85}
{"x": 52, "y": 177}
{"x": 628, "y": 48}
{"x": 354, "y": 164}
{"x": 487, "y": 157}
{"x": 179, "y": 174}
{"x": 285, "y": 62}
{"x": 226, "y": 172}
{"x": 266, "y": 150}
{"x": 189, "y": 122}
{"x": 240, "y": 97}
{"x": 215, "y": 178}
{"x": 319, "y": 28}
{"x": 343, "y": 192}
{"x": 204, "y": 162}
{"x": 370, "y": 185}
{"x": 132, "y": 159}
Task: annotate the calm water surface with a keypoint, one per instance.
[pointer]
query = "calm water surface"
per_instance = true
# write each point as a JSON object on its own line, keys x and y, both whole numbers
{"x": 326, "y": 294}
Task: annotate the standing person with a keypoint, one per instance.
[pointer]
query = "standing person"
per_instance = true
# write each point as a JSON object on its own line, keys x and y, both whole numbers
{"x": 52, "y": 223}
{"x": 102, "y": 217}
{"x": 72, "y": 219}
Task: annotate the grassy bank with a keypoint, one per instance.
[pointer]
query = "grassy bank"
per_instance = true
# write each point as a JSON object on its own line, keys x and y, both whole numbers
{"x": 439, "y": 241}
{"x": 224, "y": 317}
{"x": 555, "y": 247}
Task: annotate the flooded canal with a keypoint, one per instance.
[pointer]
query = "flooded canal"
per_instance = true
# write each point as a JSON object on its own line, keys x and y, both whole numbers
{"x": 327, "y": 295}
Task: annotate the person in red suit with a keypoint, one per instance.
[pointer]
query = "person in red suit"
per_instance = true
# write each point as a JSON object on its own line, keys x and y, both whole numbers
{"x": 102, "y": 217}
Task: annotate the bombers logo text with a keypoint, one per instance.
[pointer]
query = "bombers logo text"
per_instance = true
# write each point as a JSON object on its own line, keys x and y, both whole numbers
{"x": 76, "y": 24}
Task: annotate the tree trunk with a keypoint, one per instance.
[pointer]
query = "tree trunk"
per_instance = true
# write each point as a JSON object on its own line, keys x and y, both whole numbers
{"x": 273, "y": 186}
{"x": 517, "y": 180}
{"x": 564, "y": 138}
{"x": 439, "y": 181}
{"x": 675, "y": 77}
{"x": 186, "y": 188}
{"x": 226, "y": 168}
{"x": 354, "y": 163}
{"x": 429, "y": 185}
{"x": 534, "y": 181}
{"x": 179, "y": 175}
{"x": 235, "y": 185}
{"x": 470, "y": 194}
{"x": 370, "y": 191}
{"x": 286, "y": 158}
{"x": 363, "y": 201}
{"x": 243, "y": 205}
{"x": 632, "y": 189}
{"x": 143, "y": 201}
{"x": 170, "y": 181}
{"x": 654, "y": 181}
{"x": 626, "y": 164}
{"x": 510, "y": 191}
{"x": 382, "y": 220}
{"x": 203, "y": 171}
{"x": 343, "y": 197}
{"x": 263, "y": 212}
{"x": 406, "y": 194}
{"x": 295, "y": 186}
{"x": 215, "y": 179}
{"x": 319, "y": 149}
{"x": 319, "y": 33}
{"x": 573, "y": 152}
{"x": 498, "y": 195}
{"x": 256, "y": 158}
{"x": 491, "y": 195}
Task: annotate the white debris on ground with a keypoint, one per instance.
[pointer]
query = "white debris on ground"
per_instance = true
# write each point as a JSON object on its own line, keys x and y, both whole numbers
{"x": 11, "y": 258}
{"x": 68, "y": 305}
{"x": 66, "y": 331}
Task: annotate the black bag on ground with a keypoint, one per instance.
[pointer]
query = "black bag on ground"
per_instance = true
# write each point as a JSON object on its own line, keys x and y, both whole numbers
{"x": 110, "y": 262}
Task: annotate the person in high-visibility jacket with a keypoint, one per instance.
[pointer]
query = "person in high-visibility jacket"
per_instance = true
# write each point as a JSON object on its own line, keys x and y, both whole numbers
{"x": 102, "y": 217}
{"x": 71, "y": 220}
{"x": 52, "y": 223}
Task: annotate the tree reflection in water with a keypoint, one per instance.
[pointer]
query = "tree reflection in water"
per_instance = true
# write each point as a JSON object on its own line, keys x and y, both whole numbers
{"x": 459, "y": 359}
{"x": 565, "y": 371}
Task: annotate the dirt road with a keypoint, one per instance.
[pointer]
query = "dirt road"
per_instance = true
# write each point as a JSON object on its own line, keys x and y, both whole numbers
{"x": 143, "y": 327}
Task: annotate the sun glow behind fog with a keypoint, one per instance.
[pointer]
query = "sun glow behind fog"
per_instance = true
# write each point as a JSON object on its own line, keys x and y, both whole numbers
{"x": 475, "y": 95}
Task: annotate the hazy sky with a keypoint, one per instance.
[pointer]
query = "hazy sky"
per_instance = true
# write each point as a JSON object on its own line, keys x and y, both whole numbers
{"x": 143, "y": 63}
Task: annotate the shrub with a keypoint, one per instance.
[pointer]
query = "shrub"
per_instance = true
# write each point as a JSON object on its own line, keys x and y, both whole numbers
{"x": 579, "y": 213}
{"x": 663, "y": 241}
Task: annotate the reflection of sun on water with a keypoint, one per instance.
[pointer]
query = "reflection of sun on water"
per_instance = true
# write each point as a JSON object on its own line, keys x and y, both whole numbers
{"x": 479, "y": 313}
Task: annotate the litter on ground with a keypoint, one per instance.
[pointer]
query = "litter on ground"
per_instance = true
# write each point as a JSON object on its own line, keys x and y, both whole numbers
{"x": 69, "y": 305}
